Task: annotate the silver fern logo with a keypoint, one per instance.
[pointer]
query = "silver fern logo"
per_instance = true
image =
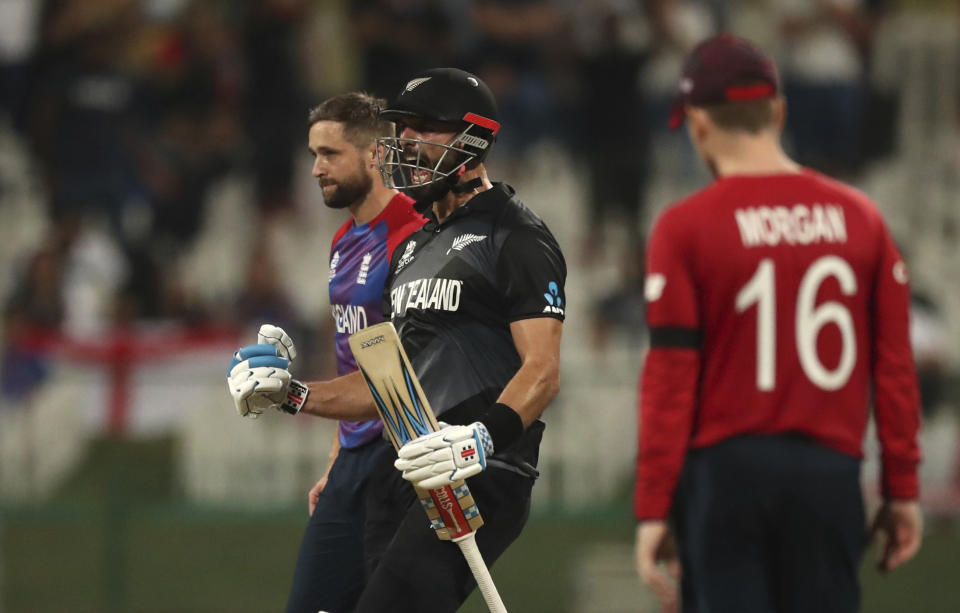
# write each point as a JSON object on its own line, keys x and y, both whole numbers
{"x": 463, "y": 240}
{"x": 415, "y": 83}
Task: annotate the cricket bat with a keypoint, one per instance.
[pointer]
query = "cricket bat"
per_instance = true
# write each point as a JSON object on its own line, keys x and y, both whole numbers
{"x": 406, "y": 414}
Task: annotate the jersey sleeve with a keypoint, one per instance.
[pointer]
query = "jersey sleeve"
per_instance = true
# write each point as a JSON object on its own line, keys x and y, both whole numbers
{"x": 531, "y": 273}
{"x": 402, "y": 221}
{"x": 896, "y": 396}
{"x": 668, "y": 385}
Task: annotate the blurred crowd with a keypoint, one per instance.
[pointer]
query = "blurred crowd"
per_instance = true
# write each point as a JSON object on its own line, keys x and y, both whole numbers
{"x": 131, "y": 111}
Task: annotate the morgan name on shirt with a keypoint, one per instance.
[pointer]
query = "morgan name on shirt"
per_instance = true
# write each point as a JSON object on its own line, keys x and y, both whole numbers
{"x": 796, "y": 225}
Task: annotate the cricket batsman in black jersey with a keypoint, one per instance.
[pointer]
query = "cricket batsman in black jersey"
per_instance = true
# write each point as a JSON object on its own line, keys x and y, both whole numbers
{"x": 477, "y": 297}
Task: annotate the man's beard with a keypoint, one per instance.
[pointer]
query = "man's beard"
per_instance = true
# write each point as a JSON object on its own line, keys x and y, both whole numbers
{"x": 428, "y": 193}
{"x": 350, "y": 191}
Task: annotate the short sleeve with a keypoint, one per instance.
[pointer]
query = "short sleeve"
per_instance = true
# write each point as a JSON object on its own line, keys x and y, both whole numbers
{"x": 531, "y": 273}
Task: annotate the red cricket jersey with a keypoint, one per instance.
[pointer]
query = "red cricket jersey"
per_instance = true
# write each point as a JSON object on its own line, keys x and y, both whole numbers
{"x": 776, "y": 304}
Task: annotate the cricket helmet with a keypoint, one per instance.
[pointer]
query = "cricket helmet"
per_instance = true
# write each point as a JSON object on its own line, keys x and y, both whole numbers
{"x": 448, "y": 95}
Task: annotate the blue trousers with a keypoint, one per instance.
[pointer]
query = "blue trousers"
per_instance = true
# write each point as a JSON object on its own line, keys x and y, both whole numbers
{"x": 770, "y": 524}
{"x": 331, "y": 566}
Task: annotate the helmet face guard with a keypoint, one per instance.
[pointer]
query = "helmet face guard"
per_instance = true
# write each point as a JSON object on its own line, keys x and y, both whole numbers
{"x": 398, "y": 172}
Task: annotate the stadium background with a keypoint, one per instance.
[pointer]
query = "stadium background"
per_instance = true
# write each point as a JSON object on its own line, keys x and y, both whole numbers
{"x": 156, "y": 206}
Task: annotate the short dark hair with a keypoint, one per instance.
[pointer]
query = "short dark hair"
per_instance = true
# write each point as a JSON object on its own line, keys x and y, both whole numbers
{"x": 753, "y": 116}
{"x": 359, "y": 112}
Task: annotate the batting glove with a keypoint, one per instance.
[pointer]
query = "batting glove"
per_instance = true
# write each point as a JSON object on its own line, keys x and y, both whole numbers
{"x": 274, "y": 335}
{"x": 445, "y": 456}
{"x": 258, "y": 380}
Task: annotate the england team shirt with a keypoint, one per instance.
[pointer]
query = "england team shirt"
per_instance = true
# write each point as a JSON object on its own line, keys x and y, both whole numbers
{"x": 776, "y": 304}
{"x": 359, "y": 261}
{"x": 453, "y": 292}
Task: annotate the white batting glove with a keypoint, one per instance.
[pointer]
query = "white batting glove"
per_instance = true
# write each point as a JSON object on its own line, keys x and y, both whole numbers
{"x": 447, "y": 455}
{"x": 259, "y": 380}
{"x": 274, "y": 335}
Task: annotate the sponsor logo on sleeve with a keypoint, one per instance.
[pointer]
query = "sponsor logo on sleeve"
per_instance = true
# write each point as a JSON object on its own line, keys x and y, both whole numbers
{"x": 653, "y": 287}
{"x": 553, "y": 298}
{"x": 900, "y": 272}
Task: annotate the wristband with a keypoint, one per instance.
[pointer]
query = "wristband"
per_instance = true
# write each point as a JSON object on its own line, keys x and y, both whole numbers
{"x": 504, "y": 425}
{"x": 296, "y": 397}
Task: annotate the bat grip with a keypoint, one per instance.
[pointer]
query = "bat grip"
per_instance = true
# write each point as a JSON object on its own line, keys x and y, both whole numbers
{"x": 468, "y": 547}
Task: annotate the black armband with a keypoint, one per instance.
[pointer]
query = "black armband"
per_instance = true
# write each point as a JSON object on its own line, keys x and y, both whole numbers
{"x": 504, "y": 425}
{"x": 675, "y": 338}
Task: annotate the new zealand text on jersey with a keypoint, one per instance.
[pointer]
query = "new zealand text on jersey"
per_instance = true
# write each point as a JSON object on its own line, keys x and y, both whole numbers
{"x": 441, "y": 294}
{"x": 350, "y": 318}
{"x": 797, "y": 225}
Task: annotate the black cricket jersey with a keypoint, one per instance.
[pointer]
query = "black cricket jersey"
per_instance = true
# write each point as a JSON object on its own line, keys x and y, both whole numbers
{"x": 453, "y": 290}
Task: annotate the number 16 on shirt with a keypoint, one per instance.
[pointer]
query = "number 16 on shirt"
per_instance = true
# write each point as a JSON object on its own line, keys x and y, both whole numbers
{"x": 406, "y": 414}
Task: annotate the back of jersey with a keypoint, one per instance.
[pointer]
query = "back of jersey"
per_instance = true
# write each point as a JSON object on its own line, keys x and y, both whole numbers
{"x": 793, "y": 290}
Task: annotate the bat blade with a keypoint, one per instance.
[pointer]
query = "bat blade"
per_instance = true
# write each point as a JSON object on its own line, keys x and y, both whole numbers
{"x": 406, "y": 414}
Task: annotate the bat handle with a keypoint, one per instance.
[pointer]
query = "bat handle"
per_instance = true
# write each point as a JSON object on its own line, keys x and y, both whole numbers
{"x": 468, "y": 547}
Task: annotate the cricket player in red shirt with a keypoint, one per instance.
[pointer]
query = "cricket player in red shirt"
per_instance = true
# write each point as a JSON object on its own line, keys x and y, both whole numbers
{"x": 777, "y": 304}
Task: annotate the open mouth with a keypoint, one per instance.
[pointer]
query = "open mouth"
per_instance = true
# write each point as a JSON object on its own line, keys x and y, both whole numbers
{"x": 419, "y": 176}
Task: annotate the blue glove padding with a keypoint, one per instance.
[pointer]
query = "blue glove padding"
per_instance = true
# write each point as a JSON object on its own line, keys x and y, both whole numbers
{"x": 260, "y": 355}
{"x": 258, "y": 380}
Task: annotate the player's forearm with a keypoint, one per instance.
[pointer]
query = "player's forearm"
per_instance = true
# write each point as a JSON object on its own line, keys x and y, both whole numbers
{"x": 345, "y": 397}
{"x": 532, "y": 388}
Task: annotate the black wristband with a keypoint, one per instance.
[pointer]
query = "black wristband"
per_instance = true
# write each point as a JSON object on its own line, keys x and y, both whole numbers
{"x": 504, "y": 425}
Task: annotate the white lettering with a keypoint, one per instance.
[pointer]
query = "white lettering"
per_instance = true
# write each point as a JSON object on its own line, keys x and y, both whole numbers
{"x": 423, "y": 296}
{"x": 805, "y": 232}
{"x": 749, "y": 225}
{"x": 435, "y": 296}
{"x": 438, "y": 294}
{"x": 349, "y": 318}
{"x": 452, "y": 303}
{"x": 411, "y": 292}
{"x": 797, "y": 225}
{"x": 838, "y": 223}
